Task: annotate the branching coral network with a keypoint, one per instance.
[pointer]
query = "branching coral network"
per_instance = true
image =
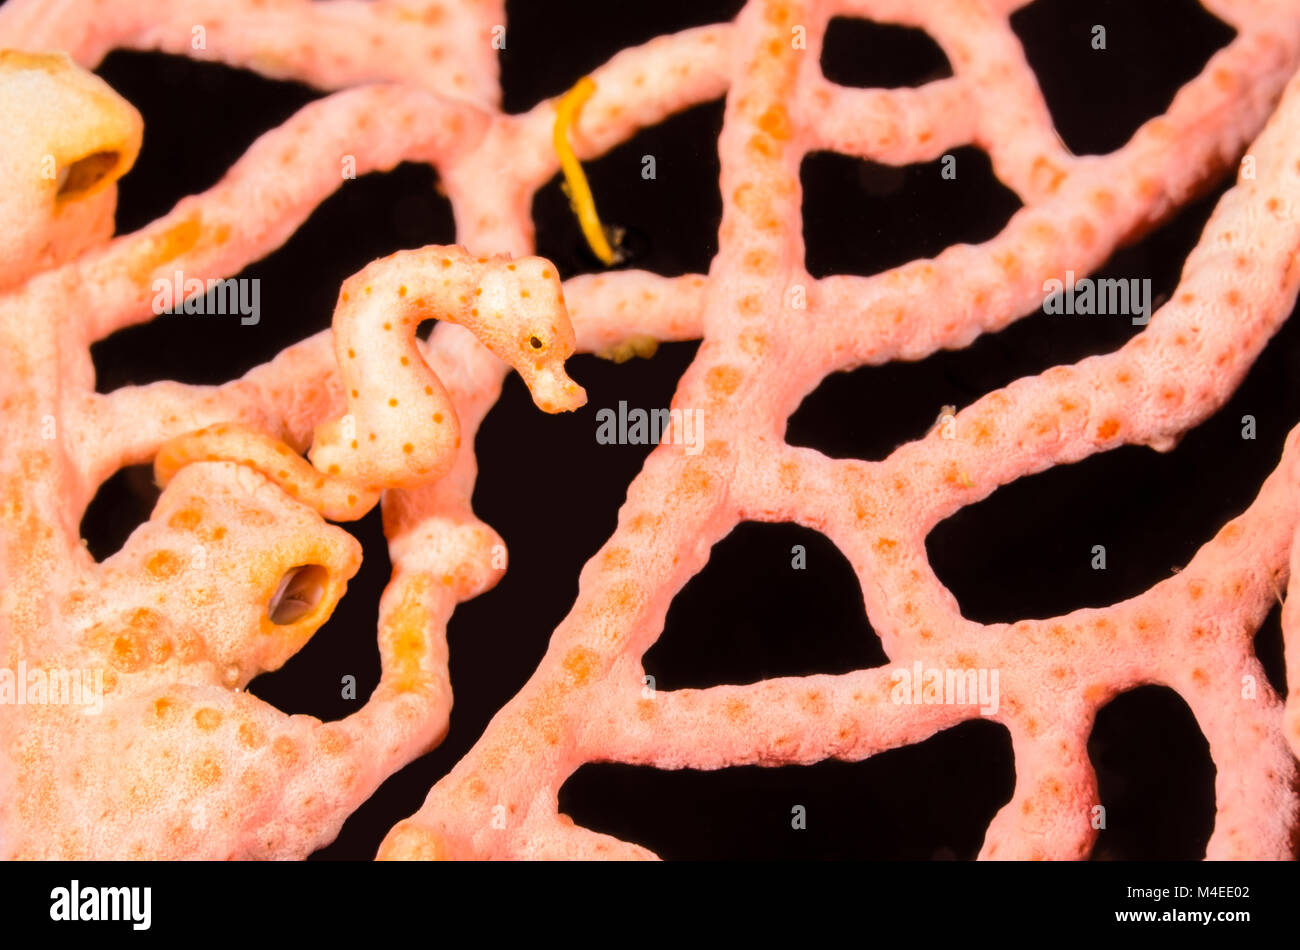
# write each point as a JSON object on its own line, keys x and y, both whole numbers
{"x": 237, "y": 566}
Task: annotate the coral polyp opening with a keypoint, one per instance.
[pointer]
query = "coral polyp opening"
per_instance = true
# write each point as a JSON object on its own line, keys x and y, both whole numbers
{"x": 81, "y": 176}
{"x": 299, "y": 592}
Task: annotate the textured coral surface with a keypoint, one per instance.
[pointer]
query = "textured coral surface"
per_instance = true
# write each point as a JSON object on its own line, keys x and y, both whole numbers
{"x": 238, "y": 565}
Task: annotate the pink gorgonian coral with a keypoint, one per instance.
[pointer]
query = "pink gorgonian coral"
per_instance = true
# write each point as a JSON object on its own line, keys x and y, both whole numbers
{"x": 167, "y": 754}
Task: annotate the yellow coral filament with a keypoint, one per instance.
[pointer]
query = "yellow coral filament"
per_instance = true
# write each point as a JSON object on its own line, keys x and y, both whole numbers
{"x": 584, "y": 206}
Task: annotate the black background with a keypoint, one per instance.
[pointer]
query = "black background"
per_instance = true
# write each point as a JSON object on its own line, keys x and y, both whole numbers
{"x": 1024, "y": 552}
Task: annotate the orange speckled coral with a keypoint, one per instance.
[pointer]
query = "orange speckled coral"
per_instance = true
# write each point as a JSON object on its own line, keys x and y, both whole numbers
{"x": 183, "y": 763}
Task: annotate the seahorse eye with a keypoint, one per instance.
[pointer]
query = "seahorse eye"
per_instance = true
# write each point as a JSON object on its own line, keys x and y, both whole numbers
{"x": 535, "y": 342}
